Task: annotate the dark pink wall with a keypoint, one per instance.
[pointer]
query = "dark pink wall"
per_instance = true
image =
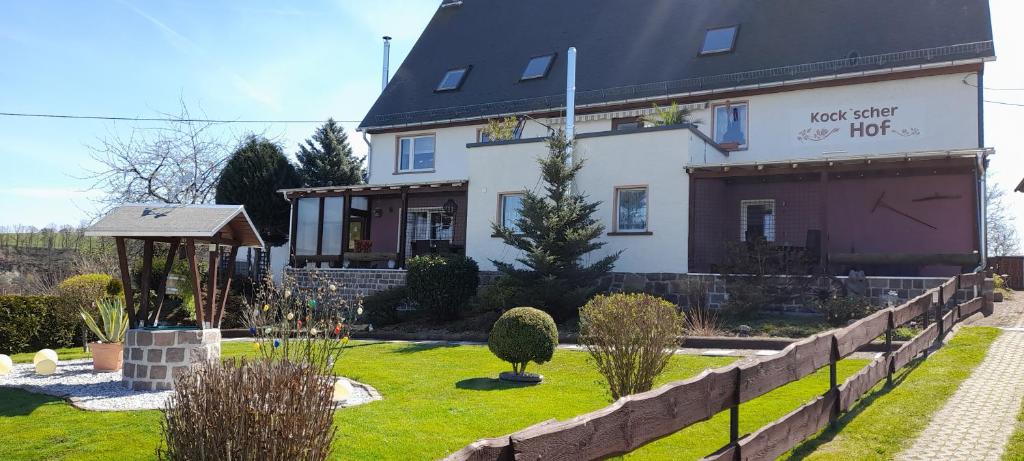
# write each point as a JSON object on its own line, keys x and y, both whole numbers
{"x": 384, "y": 229}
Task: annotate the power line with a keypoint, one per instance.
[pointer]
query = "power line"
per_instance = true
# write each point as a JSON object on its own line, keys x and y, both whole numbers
{"x": 159, "y": 119}
{"x": 1004, "y": 103}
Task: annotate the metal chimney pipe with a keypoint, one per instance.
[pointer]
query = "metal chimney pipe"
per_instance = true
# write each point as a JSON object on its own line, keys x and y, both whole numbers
{"x": 570, "y": 100}
{"x": 387, "y": 57}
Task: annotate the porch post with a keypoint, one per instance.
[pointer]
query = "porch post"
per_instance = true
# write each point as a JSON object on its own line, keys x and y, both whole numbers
{"x": 402, "y": 217}
{"x": 320, "y": 233}
{"x": 346, "y": 211}
{"x": 291, "y": 230}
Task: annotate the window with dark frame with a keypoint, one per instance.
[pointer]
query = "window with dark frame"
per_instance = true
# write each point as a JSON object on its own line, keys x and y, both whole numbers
{"x": 538, "y": 67}
{"x": 511, "y": 207}
{"x": 452, "y": 79}
{"x": 415, "y": 153}
{"x": 757, "y": 220}
{"x": 627, "y": 123}
{"x": 631, "y": 209}
{"x": 719, "y": 40}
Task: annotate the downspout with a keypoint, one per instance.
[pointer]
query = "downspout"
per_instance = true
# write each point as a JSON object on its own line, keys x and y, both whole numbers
{"x": 570, "y": 105}
{"x": 979, "y": 176}
{"x": 369, "y": 156}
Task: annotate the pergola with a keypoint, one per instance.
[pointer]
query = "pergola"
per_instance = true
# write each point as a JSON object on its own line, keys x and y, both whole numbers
{"x": 177, "y": 225}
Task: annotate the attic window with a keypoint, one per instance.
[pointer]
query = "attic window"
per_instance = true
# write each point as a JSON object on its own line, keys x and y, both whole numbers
{"x": 719, "y": 40}
{"x": 538, "y": 67}
{"x": 452, "y": 79}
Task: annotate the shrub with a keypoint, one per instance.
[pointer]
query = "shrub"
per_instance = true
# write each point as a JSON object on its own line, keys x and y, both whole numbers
{"x": 523, "y": 335}
{"x": 631, "y": 338}
{"x": 34, "y": 322}
{"x": 259, "y": 409}
{"x": 839, "y": 310}
{"x": 904, "y": 334}
{"x": 499, "y": 296}
{"x": 442, "y": 286}
{"x": 83, "y": 290}
{"x": 382, "y": 308}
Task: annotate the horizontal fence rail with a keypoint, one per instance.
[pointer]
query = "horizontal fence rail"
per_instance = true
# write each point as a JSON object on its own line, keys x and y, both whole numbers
{"x": 636, "y": 420}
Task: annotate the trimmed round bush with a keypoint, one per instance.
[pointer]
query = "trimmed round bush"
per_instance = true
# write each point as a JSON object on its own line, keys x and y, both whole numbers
{"x": 83, "y": 290}
{"x": 523, "y": 335}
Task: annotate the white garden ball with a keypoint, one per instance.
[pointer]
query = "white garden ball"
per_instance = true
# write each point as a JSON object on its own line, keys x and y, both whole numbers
{"x": 45, "y": 354}
{"x": 5, "y": 364}
{"x": 46, "y": 367}
{"x": 342, "y": 390}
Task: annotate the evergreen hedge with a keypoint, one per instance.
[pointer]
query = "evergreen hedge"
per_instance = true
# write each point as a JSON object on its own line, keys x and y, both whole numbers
{"x": 29, "y": 323}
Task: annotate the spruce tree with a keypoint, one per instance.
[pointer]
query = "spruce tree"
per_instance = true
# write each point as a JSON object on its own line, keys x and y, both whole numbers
{"x": 555, "y": 231}
{"x": 252, "y": 177}
{"x": 327, "y": 160}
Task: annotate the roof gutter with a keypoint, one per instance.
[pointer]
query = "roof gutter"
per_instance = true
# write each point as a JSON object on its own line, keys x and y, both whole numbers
{"x": 758, "y": 86}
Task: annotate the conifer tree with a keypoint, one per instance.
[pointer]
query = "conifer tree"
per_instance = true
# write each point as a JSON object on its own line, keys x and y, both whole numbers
{"x": 555, "y": 231}
{"x": 326, "y": 159}
{"x": 252, "y": 176}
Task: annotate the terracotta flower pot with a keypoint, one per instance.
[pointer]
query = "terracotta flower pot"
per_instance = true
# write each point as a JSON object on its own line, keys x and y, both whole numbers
{"x": 106, "y": 357}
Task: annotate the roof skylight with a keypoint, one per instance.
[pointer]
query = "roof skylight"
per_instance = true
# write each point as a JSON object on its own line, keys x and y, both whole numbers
{"x": 538, "y": 67}
{"x": 453, "y": 79}
{"x": 719, "y": 40}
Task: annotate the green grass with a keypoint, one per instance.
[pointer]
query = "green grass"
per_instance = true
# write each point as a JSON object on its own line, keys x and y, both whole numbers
{"x": 436, "y": 400}
{"x": 1015, "y": 448}
{"x": 888, "y": 420}
{"x": 68, "y": 353}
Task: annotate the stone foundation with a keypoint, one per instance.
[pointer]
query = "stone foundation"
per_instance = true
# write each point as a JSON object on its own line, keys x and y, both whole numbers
{"x": 153, "y": 358}
{"x": 353, "y": 284}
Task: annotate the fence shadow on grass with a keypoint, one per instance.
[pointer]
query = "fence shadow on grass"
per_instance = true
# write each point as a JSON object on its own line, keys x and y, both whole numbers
{"x": 423, "y": 346}
{"x": 811, "y": 445}
{"x": 490, "y": 384}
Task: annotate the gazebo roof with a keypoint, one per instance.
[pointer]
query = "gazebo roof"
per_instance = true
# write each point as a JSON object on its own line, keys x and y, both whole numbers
{"x": 1020, "y": 187}
{"x": 227, "y": 224}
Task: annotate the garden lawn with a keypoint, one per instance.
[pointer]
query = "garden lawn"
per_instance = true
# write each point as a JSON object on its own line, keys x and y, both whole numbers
{"x": 1015, "y": 448}
{"x": 888, "y": 420}
{"x": 437, "y": 398}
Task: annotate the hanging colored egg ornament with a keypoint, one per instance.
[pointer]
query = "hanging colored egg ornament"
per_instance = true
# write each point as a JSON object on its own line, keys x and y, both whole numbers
{"x": 256, "y": 346}
{"x": 290, "y": 316}
{"x": 337, "y": 329}
{"x": 359, "y": 311}
{"x": 312, "y": 303}
{"x": 277, "y": 343}
{"x": 266, "y": 307}
{"x": 332, "y": 287}
{"x": 252, "y": 330}
{"x": 298, "y": 324}
{"x": 314, "y": 331}
{"x": 344, "y": 340}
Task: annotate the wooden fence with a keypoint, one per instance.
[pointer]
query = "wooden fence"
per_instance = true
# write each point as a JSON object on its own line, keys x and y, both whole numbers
{"x": 636, "y": 420}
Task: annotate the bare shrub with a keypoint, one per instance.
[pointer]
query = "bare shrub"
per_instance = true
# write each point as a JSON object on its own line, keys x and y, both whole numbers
{"x": 700, "y": 319}
{"x": 277, "y": 406}
{"x": 248, "y": 410}
{"x": 631, "y": 338}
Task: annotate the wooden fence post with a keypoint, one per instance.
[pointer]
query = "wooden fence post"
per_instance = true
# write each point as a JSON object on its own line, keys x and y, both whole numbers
{"x": 833, "y": 380}
{"x": 734, "y": 417}
{"x": 890, "y": 369}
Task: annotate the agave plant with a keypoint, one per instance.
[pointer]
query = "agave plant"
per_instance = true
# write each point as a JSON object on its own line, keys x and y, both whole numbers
{"x": 114, "y": 317}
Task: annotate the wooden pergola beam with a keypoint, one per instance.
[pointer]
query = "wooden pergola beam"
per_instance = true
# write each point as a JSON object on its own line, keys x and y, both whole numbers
{"x": 193, "y": 265}
{"x": 161, "y": 291}
{"x": 126, "y": 280}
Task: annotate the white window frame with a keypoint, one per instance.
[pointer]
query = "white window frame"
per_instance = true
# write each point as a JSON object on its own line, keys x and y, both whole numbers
{"x": 429, "y": 211}
{"x": 744, "y": 204}
{"x": 647, "y": 215}
{"x": 412, "y": 154}
{"x": 746, "y": 121}
{"x": 501, "y": 204}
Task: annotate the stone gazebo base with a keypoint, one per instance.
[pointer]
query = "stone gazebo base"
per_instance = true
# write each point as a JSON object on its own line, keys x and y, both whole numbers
{"x": 152, "y": 358}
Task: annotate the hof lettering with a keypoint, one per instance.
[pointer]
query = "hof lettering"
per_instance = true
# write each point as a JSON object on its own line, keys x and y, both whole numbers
{"x": 859, "y": 129}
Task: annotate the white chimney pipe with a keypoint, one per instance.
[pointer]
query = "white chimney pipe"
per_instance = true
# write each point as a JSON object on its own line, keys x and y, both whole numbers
{"x": 387, "y": 57}
{"x": 570, "y": 99}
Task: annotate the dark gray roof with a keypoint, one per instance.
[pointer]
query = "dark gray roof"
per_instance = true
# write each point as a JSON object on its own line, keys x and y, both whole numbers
{"x": 632, "y": 49}
{"x": 202, "y": 222}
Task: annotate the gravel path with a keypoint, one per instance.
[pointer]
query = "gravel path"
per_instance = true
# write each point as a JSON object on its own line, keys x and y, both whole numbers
{"x": 75, "y": 381}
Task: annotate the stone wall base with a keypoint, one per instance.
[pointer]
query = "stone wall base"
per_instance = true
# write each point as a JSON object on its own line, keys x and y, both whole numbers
{"x": 153, "y": 358}
{"x": 353, "y": 284}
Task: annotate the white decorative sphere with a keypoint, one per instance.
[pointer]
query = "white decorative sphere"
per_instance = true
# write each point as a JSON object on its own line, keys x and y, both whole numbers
{"x": 45, "y": 354}
{"x": 342, "y": 390}
{"x": 46, "y": 367}
{"x": 6, "y": 364}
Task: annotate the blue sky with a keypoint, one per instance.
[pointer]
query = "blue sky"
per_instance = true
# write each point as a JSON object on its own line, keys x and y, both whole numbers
{"x": 235, "y": 60}
{"x": 256, "y": 60}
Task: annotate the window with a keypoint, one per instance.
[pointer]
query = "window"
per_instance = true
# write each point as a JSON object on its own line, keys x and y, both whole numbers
{"x": 757, "y": 220}
{"x": 426, "y": 225}
{"x": 631, "y": 206}
{"x": 538, "y": 67}
{"x": 730, "y": 126}
{"x": 510, "y": 207}
{"x": 627, "y": 123}
{"x": 333, "y": 209}
{"x": 306, "y": 226}
{"x": 719, "y": 40}
{"x": 416, "y": 153}
{"x": 452, "y": 79}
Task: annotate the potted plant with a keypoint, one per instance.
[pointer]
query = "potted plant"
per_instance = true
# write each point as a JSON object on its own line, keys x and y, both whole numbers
{"x": 107, "y": 354}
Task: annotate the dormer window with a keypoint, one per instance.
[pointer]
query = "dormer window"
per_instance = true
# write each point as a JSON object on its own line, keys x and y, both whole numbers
{"x": 453, "y": 79}
{"x": 538, "y": 67}
{"x": 719, "y": 40}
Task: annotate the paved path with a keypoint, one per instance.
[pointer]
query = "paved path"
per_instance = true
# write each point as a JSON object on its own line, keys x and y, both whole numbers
{"x": 977, "y": 421}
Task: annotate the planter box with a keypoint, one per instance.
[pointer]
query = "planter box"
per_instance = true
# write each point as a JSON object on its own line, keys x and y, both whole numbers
{"x": 152, "y": 358}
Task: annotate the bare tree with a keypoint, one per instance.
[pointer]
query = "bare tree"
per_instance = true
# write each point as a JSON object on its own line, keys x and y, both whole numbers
{"x": 175, "y": 163}
{"x": 999, "y": 222}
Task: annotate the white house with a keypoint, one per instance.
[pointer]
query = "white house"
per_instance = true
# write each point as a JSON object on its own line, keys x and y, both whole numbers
{"x": 852, "y": 130}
